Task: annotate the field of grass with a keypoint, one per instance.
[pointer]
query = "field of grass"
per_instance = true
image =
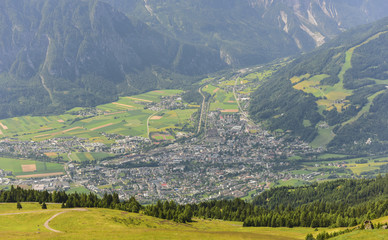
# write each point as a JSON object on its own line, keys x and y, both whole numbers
{"x": 365, "y": 167}
{"x": 291, "y": 182}
{"x": 340, "y": 166}
{"x": 297, "y": 79}
{"x": 325, "y": 135}
{"x": 78, "y": 189}
{"x": 15, "y": 165}
{"x": 211, "y": 89}
{"x": 114, "y": 224}
{"x": 223, "y": 101}
{"x": 127, "y": 116}
{"x": 88, "y": 156}
{"x": 330, "y": 95}
{"x": 330, "y": 155}
{"x": 171, "y": 119}
{"x": 376, "y": 234}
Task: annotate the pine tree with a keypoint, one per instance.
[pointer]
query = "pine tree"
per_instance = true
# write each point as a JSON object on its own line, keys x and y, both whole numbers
{"x": 19, "y": 206}
{"x": 310, "y": 237}
{"x": 44, "y": 206}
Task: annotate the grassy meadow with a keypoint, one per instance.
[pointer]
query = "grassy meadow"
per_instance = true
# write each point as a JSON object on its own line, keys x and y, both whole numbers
{"x": 16, "y": 166}
{"x": 115, "y": 224}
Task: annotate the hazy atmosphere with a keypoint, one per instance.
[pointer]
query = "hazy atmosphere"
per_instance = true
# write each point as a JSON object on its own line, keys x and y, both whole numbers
{"x": 216, "y": 119}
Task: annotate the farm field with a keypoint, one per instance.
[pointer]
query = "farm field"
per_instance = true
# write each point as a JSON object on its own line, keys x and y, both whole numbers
{"x": 171, "y": 119}
{"x": 223, "y": 100}
{"x": 128, "y": 116}
{"x": 114, "y": 224}
{"x": 88, "y": 156}
{"x": 353, "y": 165}
{"x": 20, "y": 167}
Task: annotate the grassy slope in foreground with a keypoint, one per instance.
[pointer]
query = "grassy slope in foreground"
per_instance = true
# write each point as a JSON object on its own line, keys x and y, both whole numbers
{"x": 114, "y": 224}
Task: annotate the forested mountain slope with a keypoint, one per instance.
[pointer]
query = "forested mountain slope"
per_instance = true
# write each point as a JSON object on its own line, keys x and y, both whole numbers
{"x": 60, "y": 54}
{"x": 248, "y": 32}
{"x": 336, "y": 95}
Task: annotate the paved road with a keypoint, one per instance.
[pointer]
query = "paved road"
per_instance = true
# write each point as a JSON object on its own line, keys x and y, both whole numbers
{"x": 202, "y": 109}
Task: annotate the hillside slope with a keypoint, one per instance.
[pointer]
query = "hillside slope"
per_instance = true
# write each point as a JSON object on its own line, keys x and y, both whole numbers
{"x": 250, "y": 32}
{"x": 59, "y": 54}
{"x": 28, "y": 223}
{"x": 336, "y": 95}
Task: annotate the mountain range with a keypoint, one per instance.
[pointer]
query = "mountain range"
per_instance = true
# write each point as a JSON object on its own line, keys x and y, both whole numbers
{"x": 249, "y": 32}
{"x": 56, "y": 55}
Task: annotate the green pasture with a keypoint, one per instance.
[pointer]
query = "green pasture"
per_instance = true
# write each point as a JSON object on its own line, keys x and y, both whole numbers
{"x": 325, "y": 135}
{"x": 297, "y": 79}
{"x": 331, "y": 155}
{"x": 365, "y": 167}
{"x": 15, "y": 165}
{"x": 171, "y": 119}
{"x": 115, "y": 224}
{"x": 223, "y": 100}
{"x": 127, "y": 116}
{"x": 291, "y": 182}
{"x": 258, "y": 76}
{"x": 89, "y": 156}
{"x": 78, "y": 189}
{"x": 211, "y": 89}
{"x": 24, "y": 127}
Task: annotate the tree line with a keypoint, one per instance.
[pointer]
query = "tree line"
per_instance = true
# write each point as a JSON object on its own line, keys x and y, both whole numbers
{"x": 340, "y": 203}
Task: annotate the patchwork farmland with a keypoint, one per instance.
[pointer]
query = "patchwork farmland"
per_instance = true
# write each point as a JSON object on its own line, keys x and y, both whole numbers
{"x": 128, "y": 116}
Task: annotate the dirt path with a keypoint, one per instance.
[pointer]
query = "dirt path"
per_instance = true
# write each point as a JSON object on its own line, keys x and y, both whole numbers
{"x": 46, "y": 224}
{"x": 106, "y": 125}
{"x": 3, "y": 126}
{"x": 123, "y": 105}
{"x": 148, "y": 123}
